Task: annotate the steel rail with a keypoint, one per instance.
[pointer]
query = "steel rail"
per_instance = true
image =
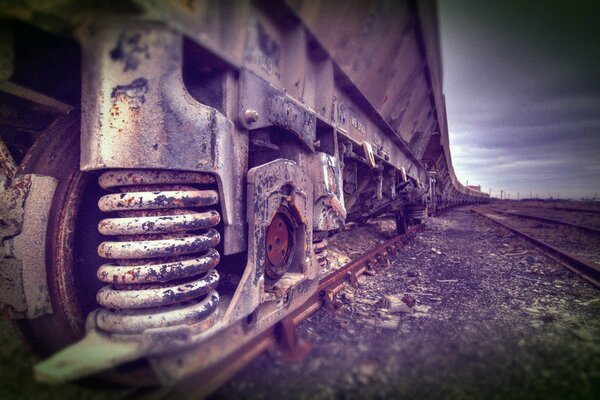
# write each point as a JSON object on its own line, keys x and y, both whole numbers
{"x": 582, "y": 268}
{"x": 283, "y": 332}
{"x": 556, "y": 221}
{"x": 587, "y": 210}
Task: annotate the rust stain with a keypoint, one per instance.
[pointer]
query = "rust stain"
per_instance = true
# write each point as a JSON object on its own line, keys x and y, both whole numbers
{"x": 158, "y": 244}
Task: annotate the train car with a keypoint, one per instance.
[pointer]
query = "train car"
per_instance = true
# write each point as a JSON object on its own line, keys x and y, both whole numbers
{"x": 167, "y": 167}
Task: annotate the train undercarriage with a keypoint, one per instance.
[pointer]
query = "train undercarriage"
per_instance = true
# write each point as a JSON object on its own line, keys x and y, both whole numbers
{"x": 168, "y": 168}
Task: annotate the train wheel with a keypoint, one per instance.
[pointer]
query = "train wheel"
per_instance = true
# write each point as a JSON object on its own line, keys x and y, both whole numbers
{"x": 71, "y": 241}
{"x": 55, "y": 153}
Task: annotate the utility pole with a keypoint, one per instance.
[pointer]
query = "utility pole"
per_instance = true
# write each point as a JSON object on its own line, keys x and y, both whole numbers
{"x": 501, "y": 193}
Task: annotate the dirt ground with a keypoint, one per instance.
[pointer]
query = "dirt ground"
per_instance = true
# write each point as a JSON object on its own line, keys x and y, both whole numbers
{"x": 493, "y": 319}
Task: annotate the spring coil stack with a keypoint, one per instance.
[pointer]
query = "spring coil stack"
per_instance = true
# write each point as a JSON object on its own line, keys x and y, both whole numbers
{"x": 161, "y": 252}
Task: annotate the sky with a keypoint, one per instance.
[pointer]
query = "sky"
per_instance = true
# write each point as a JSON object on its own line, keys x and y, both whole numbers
{"x": 522, "y": 87}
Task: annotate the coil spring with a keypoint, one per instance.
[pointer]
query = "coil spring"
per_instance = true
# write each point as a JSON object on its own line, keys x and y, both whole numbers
{"x": 320, "y": 249}
{"x": 162, "y": 260}
{"x": 417, "y": 212}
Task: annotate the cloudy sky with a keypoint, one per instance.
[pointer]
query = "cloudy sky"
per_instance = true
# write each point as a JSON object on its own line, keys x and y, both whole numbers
{"x": 522, "y": 85}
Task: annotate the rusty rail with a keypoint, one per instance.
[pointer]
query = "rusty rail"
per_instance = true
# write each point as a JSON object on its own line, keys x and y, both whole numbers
{"x": 582, "y": 268}
{"x": 283, "y": 333}
{"x": 552, "y": 220}
{"x": 587, "y": 210}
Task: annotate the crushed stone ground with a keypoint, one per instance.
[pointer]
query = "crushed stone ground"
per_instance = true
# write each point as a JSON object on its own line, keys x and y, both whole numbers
{"x": 494, "y": 319}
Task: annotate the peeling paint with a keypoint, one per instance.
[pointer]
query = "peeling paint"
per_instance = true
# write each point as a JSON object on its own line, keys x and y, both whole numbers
{"x": 163, "y": 249}
{"x": 132, "y": 94}
{"x": 131, "y": 50}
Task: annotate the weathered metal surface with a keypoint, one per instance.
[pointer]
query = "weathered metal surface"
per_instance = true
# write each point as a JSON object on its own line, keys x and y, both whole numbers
{"x": 158, "y": 224}
{"x": 142, "y": 249}
{"x": 123, "y": 298}
{"x": 159, "y": 272}
{"x": 25, "y": 209}
{"x": 279, "y": 242}
{"x": 140, "y": 321}
{"x": 135, "y": 335}
{"x": 157, "y": 282}
{"x": 329, "y": 212}
{"x": 358, "y": 123}
{"x": 52, "y": 155}
{"x": 272, "y": 106}
{"x": 161, "y": 304}
{"x": 280, "y": 182}
{"x": 187, "y": 197}
{"x": 12, "y": 202}
{"x": 8, "y": 168}
{"x": 142, "y": 116}
{"x": 373, "y": 36}
{"x": 27, "y": 245}
{"x": 128, "y": 177}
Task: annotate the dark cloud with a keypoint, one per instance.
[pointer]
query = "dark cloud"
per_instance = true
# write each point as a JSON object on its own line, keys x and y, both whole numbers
{"x": 522, "y": 84}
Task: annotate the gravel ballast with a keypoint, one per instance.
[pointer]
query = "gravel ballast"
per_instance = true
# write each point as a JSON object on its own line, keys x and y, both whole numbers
{"x": 494, "y": 318}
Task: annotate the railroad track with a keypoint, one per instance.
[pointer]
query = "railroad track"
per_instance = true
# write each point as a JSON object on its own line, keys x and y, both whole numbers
{"x": 283, "y": 333}
{"x": 588, "y": 269}
{"x": 580, "y": 210}
{"x": 552, "y": 220}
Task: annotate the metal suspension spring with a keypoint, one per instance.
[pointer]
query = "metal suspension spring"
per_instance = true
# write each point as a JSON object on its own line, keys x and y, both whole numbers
{"x": 320, "y": 249}
{"x": 417, "y": 212}
{"x": 162, "y": 259}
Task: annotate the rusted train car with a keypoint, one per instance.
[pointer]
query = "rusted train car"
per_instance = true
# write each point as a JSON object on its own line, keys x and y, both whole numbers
{"x": 168, "y": 166}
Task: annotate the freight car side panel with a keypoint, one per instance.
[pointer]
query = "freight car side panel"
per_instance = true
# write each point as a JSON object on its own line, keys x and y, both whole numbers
{"x": 389, "y": 50}
{"x": 376, "y": 44}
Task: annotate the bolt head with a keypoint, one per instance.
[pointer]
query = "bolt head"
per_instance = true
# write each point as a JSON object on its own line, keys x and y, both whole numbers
{"x": 251, "y": 115}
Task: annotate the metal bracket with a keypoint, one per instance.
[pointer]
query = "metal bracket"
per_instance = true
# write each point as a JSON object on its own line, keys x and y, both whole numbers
{"x": 138, "y": 114}
{"x": 263, "y": 105}
{"x": 292, "y": 347}
{"x": 329, "y": 300}
{"x": 329, "y": 210}
{"x": 268, "y": 185}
